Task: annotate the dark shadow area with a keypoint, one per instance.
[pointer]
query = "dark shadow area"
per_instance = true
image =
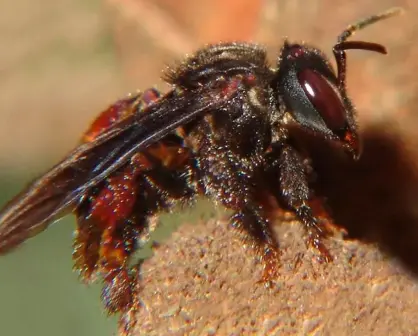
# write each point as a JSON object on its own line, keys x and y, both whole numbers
{"x": 376, "y": 198}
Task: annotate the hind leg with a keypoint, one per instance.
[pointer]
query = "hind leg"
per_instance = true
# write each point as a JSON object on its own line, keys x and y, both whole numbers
{"x": 115, "y": 220}
{"x": 115, "y": 214}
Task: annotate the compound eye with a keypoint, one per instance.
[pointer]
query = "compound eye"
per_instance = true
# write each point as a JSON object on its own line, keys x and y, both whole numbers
{"x": 324, "y": 97}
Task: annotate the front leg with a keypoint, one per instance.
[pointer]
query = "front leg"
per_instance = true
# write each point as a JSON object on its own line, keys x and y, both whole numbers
{"x": 257, "y": 234}
{"x": 296, "y": 194}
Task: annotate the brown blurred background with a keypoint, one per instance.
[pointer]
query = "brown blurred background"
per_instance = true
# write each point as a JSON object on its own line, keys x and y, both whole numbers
{"x": 62, "y": 61}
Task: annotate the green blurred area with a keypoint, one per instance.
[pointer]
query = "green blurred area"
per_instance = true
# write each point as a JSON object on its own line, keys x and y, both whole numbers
{"x": 43, "y": 60}
{"x": 41, "y": 295}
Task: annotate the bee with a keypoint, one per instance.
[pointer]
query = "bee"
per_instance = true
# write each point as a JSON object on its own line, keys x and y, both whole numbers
{"x": 224, "y": 131}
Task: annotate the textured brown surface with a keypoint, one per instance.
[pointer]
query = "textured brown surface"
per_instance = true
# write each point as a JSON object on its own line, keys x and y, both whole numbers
{"x": 202, "y": 282}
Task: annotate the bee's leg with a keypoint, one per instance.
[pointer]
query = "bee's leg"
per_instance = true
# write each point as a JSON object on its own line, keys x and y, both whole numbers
{"x": 118, "y": 243}
{"x": 95, "y": 205}
{"x": 295, "y": 192}
{"x": 90, "y": 226}
{"x": 119, "y": 212}
{"x": 259, "y": 236}
{"x": 86, "y": 245}
{"x": 119, "y": 278}
{"x": 108, "y": 227}
{"x": 229, "y": 180}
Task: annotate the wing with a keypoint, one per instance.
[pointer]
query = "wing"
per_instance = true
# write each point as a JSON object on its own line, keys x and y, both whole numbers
{"x": 60, "y": 189}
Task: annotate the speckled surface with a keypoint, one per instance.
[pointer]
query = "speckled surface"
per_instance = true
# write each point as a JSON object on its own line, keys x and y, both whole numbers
{"x": 202, "y": 282}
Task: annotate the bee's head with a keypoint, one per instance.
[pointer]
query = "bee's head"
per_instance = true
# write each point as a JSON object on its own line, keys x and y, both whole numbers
{"x": 315, "y": 95}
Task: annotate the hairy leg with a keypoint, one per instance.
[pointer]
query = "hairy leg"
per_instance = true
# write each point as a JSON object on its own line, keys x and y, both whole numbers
{"x": 229, "y": 180}
{"x": 296, "y": 194}
{"x": 112, "y": 223}
{"x": 256, "y": 233}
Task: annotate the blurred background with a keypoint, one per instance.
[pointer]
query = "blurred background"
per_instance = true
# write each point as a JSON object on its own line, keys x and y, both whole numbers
{"x": 63, "y": 61}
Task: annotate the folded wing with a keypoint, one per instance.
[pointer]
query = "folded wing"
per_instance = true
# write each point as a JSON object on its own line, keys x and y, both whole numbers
{"x": 59, "y": 190}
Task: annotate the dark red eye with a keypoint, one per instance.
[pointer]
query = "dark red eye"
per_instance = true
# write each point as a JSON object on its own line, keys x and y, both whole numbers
{"x": 324, "y": 98}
